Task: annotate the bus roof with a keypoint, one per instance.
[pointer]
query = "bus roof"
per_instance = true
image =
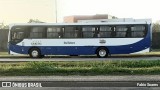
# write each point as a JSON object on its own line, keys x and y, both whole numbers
{"x": 117, "y": 20}
{"x": 144, "y": 21}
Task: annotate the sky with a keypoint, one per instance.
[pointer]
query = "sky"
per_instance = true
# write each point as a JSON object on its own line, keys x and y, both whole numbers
{"x": 20, "y": 11}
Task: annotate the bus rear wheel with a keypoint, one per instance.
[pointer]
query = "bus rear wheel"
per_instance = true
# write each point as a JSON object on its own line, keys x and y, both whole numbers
{"x": 35, "y": 53}
{"x": 102, "y": 52}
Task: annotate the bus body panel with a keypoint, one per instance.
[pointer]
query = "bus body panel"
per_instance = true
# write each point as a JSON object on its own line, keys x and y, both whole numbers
{"x": 82, "y": 46}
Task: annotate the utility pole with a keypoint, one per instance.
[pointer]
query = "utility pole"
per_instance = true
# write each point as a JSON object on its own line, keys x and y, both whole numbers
{"x": 56, "y": 9}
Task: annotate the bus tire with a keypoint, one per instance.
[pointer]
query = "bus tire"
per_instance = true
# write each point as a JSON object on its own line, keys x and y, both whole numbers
{"x": 35, "y": 53}
{"x": 102, "y": 52}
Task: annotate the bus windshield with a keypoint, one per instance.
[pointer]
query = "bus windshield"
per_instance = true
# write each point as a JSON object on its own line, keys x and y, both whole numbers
{"x": 17, "y": 34}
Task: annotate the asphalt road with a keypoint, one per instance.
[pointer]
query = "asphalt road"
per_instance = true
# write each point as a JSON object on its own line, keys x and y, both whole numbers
{"x": 77, "y": 59}
{"x": 86, "y": 82}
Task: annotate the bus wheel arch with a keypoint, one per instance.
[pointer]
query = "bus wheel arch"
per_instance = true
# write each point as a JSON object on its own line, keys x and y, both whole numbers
{"x": 102, "y": 52}
{"x": 34, "y": 52}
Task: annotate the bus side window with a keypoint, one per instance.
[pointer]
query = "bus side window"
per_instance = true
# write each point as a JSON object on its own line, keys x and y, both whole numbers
{"x": 104, "y": 32}
{"x": 79, "y": 31}
{"x": 88, "y": 31}
{"x": 144, "y": 32}
{"x": 113, "y": 32}
{"x": 128, "y": 32}
{"x": 138, "y": 31}
{"x": 96, "y": 33}
{"x": 53, "y": 32}
{"x": 37, "y": 32}
{"x": 60, "y": 34}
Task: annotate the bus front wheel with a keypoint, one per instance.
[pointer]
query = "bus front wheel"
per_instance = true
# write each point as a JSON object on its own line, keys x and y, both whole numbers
{"x": 35, "y": 53}
{"x": 102, "y": 52}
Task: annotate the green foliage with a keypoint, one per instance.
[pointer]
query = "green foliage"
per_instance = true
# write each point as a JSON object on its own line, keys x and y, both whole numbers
{"x": 81, "y": 68}
{"x": 138, "y": 64}
{"x": 3, "y": 26}
{"x": 35, "y": 21}
{"x": 41, "y": 67}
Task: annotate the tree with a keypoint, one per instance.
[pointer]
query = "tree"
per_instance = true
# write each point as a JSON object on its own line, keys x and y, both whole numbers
{"x": 35, "y": 21}
{"x": 156, "y": 35}
{"x": 3, "y": 26}
{"x": 156, "y": 27}
{"x": 6, "y": 27}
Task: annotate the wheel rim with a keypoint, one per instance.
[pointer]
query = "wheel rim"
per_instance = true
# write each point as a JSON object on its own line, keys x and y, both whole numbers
{"x": 102, "y": 53}
{"x": 35, "y": 53}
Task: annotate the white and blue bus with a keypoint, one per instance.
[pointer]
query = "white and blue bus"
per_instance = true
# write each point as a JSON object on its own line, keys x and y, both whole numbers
{"x": 94, "y": 38}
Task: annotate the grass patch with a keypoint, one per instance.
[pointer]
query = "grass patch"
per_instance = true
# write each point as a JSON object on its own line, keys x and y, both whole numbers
{"x": 3, "y": 53}
{"x": 81, "y": 68}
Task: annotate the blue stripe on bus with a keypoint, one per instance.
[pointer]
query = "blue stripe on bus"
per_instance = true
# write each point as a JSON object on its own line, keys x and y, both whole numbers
{"x": 84, "y": 50}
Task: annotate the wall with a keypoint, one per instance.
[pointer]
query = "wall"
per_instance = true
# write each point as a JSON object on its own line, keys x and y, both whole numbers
{"x": 3, "y": 39}
{"x": 75, "y": 18}
{"x": 156, "y": 40}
